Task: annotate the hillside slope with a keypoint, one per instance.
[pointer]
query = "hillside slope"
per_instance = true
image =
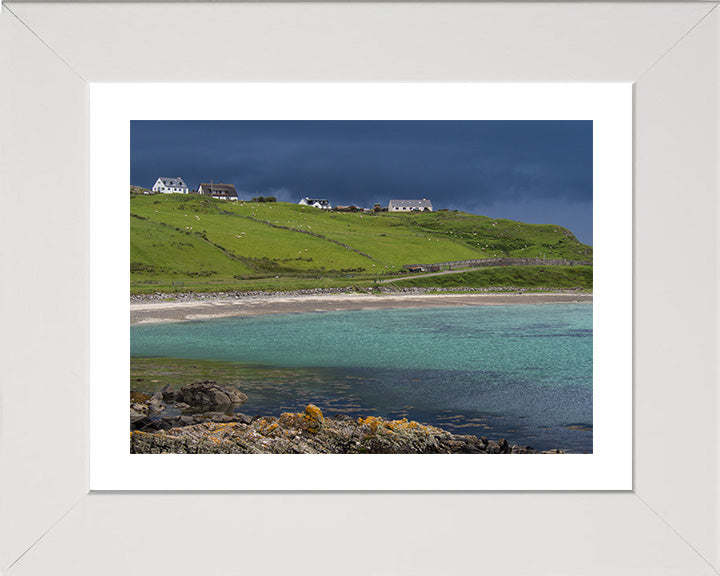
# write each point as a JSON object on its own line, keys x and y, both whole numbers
{"x": 201, "y": 243}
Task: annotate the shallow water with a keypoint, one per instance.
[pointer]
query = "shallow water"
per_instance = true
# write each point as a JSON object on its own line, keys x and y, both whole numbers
{"x": 523, "y": 372}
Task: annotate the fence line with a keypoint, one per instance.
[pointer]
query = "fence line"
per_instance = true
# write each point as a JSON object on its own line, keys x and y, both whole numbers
{"x": 480, "y": 262}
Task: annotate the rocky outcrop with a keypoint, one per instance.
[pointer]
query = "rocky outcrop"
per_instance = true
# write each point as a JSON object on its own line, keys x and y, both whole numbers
{"x": 311, "y": 433}
{"x": 168, "y": 422}
{"x": 313, "y": 419}
{"x": 138, "y": 412}
{"x": 168, "y": 394}
{"x": 156, "y": 404}
{"x": 146, "y": 412}
{"x": 209, "y": 394}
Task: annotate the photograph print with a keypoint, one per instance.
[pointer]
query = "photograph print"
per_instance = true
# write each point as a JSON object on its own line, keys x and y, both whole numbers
{"x": 361, "y": 287}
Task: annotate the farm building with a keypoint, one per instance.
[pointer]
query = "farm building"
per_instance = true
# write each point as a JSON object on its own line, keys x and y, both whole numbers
{"x": 423, "y": 205}
{"x": 222, "y": 191}
{"x": 315, "y": 203}
{"x": 165, "y": 185}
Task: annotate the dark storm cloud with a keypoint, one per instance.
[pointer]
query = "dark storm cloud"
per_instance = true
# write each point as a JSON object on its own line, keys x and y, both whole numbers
{"x": 535, "y": 171}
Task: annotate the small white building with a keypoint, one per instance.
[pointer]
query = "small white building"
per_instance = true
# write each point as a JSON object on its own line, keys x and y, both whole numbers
{"x": 170, "y": 186}
{"x": 221, "y": 191}
{"x": 423, "y": 205}
{"x": 316, "y": 203}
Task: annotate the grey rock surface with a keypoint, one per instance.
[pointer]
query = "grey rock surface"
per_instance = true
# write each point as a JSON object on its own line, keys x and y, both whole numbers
{"x": 209, "y": 394}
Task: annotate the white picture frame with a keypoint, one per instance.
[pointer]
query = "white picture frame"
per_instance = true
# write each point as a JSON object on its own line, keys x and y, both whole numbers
{"x": 668, "y": 523}
{"x": 609, "y": 106}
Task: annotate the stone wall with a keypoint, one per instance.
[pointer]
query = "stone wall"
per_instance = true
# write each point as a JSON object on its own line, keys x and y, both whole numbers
{"x": 499, "y": 262}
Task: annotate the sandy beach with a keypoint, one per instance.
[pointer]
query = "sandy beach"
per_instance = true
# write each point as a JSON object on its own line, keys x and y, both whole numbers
{"x": 169, "y": 311}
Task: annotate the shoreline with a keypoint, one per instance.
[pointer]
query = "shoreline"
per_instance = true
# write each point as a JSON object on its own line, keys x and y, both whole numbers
{"x": 307, "y": 432}
{"x": 149, "y": 311}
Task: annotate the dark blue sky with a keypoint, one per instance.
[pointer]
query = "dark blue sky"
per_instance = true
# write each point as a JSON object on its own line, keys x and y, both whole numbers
{"x": 532, "y": 171}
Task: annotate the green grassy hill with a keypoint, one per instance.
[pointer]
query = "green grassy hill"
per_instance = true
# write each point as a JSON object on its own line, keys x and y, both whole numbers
{"x": 182, "y": 242}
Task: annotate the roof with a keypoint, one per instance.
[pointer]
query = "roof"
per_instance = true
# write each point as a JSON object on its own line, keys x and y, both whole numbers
{"x": 173, "y": 182}
{"x": 424, "y": 203}
{"x": 219, "y": 188}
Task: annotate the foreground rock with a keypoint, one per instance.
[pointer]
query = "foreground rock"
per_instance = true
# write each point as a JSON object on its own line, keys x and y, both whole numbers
{"x": 206, "y": 401}
{"x": 139, "y": 409}
{"x": 209, "y": 394}
{"x": 311, "y": 433}
{"x": 156, "y": 404}
{"x": 138, "y": 413}
{"x": 168, "y": 422}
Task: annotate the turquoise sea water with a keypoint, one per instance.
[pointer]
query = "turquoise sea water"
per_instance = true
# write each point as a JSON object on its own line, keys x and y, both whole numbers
{"x": 523, "y": 372}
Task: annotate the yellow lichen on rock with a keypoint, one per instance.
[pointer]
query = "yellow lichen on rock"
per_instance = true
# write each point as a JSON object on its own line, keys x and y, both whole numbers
{"x": 139, "y": 397}
{"x": 219, "y": 426}
{"x": 372, "y": 423}
{"x": 289, "y": 420}
{"x": 271, "y": 428}
{"x": 406, "y": 424}
{"x": 375, "y": 424}
{"x": 314, "y": 419}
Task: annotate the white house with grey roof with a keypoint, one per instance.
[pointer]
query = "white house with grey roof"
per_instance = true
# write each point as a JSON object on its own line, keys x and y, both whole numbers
{"x": 170, "y": 186}
{"x": 316, "y": 203}
{"x": 221, "y": 191}
{"x": 423, "y": 205}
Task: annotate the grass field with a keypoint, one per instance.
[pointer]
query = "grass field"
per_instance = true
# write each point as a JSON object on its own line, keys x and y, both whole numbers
{"x": 190, "y": 242}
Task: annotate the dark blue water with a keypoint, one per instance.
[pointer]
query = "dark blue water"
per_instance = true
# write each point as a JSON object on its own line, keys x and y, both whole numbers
{"x": 523, "y": 372}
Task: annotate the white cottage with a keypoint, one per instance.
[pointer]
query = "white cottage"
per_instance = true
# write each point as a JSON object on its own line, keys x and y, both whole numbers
{"x": 221, "y": 191}
{"x": 170, "y": 186}
{"x": 423, "y": 205}
{"x": 315, "y": 203}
